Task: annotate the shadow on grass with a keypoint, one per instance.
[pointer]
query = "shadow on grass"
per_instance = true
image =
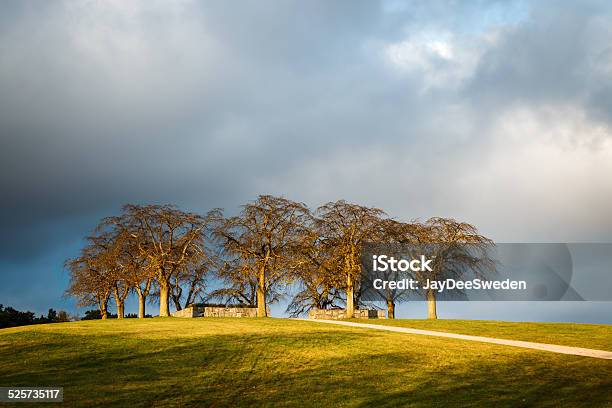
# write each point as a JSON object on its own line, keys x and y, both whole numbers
{"x": 318, "y": 368}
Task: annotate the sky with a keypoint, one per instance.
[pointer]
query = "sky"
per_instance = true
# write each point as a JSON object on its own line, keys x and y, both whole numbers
{"x": 497, "y": 113}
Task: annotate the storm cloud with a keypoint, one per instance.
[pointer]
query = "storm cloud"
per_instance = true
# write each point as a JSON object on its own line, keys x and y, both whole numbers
{"x": 497, "y": 113}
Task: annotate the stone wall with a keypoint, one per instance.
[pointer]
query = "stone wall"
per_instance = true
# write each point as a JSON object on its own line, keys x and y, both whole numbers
{"x": 229, "y": 311}
{"x": 187, "y": 312}
{"x": 335, "y": 314}
{"x": 209, "y": 311}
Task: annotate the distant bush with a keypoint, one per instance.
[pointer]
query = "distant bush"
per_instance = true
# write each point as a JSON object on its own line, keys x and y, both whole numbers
{"x": 10, "y": 317}
{"x": 92, "y": 315}
{"x": 95, "y": 315}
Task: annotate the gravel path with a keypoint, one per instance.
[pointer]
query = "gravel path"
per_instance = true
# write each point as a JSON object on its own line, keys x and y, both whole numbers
{"x": 577, "y": 351}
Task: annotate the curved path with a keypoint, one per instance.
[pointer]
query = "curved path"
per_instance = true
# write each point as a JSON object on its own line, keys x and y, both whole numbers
{"x": 577, "y": 351}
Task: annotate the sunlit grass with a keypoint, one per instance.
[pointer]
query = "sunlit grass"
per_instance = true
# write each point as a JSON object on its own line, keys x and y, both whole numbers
{"x": 229, "y": 362}
{"x": 596, "y": 336}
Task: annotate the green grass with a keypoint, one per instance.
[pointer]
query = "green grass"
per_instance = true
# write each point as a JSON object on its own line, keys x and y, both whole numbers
{"x": 595, "y": 336}
{"x": 273, "y": 362}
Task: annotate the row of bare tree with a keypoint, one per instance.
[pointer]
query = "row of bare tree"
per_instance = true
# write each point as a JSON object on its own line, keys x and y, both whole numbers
{"x": 161, "y": 252}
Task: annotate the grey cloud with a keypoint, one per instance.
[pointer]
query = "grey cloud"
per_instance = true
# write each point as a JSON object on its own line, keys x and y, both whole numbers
{"x": 209, "y": 104}
{"x": 560, "y": 55}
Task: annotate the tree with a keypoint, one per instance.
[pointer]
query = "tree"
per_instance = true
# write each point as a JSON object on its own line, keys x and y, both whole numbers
{"x": 402, "y": 233}
{"x": 455, "y": 248}
{"x": 170, "y": 239}
{"x": 89, "y": 282}
{"x": 316, "y": 292}
{"x": 110, "y": 242}
{"x": 52, "y": 315}
{"x": 139, "y": 275}
{"x": 10, "y": 317}
{"x": 343, "y": 228}
{"x": 190, "y": 283}
{"x": 240, "y": 287}
{"x": 62, "y": 316}
{"x": 134, "y": 268}
{"x": 92, "y": 315}
{"x": 261, "y": 245}
{"x": 317, "y": 275}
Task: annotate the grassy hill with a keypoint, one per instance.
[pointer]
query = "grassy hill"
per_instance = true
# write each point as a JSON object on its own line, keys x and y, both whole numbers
{"x": 229, "y": 362}
{"x": 595, "y": 336}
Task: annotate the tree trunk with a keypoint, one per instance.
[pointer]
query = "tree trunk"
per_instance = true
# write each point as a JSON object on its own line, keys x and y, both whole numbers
{"x": 164, "y": 299}
{"x": 103, "y": 306}
{"x": 120, "y": 304}
{"x": 261, "y": 294}
{"x": 191, "y": 296}
{"x": 177, "y": 303}
{"x": 390, "y": 309}
{"x": 431, "y": 305}
{"x": 175, "y": 293}
{"x": 350, "y": 304}
{"x": 141, "y": 303}
{"x": 120, "y": 310}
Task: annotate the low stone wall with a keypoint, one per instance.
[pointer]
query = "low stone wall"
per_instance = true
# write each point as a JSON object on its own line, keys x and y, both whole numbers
{"x": 229, "y": 312}
{"x": 335, "y": 314}
{"x": 187, "y": 312}
{"x": 209, "y": 311}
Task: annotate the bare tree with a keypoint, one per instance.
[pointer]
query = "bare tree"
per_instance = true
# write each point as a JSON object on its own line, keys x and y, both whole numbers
{"x": 170, "y": 239}
{"x": 397, "y": 232}
{"x": 261, "y": 244}
{"x": 137, "y": 270}
{"x": 128, "y": 269}
{"x": 343, "y": 228}
{"x": 456, "y": 248}
{"x": 240, "y": 287}
{"x": 316, "y": 292}
{"x": 89, "y": 282}
{"x": 317, "y": 275}
{"x": 189, "y": 284}
{"x": 110, "y": 256}
{"x": 141, "y": 277}
{"x": 158, "y": 249}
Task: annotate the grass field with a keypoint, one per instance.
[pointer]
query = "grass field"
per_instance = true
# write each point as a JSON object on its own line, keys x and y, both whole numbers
{"x": 276, "y": 362}
{"x": 595, "y": 336}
